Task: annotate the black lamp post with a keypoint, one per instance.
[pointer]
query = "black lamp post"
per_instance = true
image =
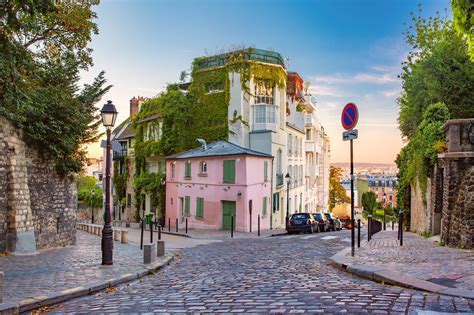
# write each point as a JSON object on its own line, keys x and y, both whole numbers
{"x": 92, "y": 208}
{"x": 288, "y": 181}
{"x": 109, "y": 115}
{"x": 384, "y": 197}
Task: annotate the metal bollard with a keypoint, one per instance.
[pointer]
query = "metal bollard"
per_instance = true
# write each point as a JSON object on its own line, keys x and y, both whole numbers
{"x": 232, "y": 227}
{"x": 176, "y": 225}
{"x": 151, "y": 232}
{"x": 392, "y": 225}
{"x": 186, "y": 225}
{"x": 141, "y": 234}
{"x": 159, "y": 232}
{"x": 258, "y": 225}
{"x": 169, "y": 224}
{"x": 250, "y": 220}
{"x": 369, "y": 221}
{"x": 401, "y": 230}
{"x": 358, "y": 232}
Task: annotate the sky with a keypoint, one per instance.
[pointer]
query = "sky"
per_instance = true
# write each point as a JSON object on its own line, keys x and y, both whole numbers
{"x": 350, "y": 51}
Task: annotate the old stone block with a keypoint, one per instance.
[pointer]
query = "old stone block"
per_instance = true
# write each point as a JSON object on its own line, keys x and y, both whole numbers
{"x": 117, "y": 235}
{"x": 124, "y": 236}
{"x": 160, "y": 248}
{"x": 149, "y": 251}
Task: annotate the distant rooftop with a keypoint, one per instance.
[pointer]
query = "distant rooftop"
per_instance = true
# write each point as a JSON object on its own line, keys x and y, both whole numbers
{"x": 259, "y": 55}
{"x": 218, "y": 148}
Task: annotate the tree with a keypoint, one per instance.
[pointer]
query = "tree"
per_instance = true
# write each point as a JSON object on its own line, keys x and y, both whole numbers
{"x": 463, "y": 15}
{"x": 438, "y": 69}
{"x": 43, "y": 45}
{"x": 89, "y": 193}
{"x": 337, "y": 193}
{"x": 369, "y": 202}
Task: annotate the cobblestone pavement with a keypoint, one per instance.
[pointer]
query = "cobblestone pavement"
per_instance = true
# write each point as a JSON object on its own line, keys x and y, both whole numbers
{"x": 420, "y": 258}
{"x": 65, "y": 268}
{"x": 279, "y": 274}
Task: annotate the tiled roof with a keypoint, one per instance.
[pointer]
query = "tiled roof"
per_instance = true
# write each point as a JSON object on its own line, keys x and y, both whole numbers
{"x": 128, "y": 133}
{"x": 218, "y": 148}
{"x": 149, "y": 118}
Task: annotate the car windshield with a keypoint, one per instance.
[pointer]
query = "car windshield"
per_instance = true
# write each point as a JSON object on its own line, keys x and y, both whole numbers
{"x": 318, "y": 216}
{"x": 299, "y": 216}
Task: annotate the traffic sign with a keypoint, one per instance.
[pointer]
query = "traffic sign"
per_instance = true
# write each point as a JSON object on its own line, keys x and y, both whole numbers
{"x": 350, "y": 134}
{"x": 350, "y": 116}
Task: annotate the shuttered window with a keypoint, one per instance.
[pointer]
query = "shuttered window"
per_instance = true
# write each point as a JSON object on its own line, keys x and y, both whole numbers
{"x": 264, "y": 208}
{"x": 200, "y": 207}
{"x": 229, "y": 171}
{"x": 187, "y": 201}
{"x": 265, "y": 170}
{"x": 187, "y": 169}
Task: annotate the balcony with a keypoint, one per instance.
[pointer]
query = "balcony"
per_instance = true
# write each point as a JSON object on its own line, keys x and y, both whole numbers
{"x": 119, "y": 155}
{"x": 259, "y": 55}
{"x": 279, "y": 179}
{"x": 309, "y": 120}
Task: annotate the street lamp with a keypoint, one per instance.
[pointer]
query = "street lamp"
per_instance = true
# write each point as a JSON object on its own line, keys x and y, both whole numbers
{"x": 92, "y": 208}
{"x": 109, "y": 115}
{"x": 288, "y": 181}
{"x": 384, "y": 197}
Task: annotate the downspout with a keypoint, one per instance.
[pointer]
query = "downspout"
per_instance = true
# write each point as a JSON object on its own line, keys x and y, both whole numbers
{"x": 272, "y": 197}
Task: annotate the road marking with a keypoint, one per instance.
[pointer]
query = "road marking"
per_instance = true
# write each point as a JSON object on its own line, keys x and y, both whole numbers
{"x": 308, "y": 237}
{"x": 329, "y": 237}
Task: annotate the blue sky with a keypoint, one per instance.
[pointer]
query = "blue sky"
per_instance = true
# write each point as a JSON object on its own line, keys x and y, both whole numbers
{"x": 350, "y": 50}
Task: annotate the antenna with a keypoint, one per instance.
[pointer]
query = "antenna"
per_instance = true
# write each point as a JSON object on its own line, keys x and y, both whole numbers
{"x": 203, "y": 143}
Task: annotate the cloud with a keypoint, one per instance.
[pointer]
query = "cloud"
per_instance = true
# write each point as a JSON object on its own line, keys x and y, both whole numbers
{"x": 375, "y": 78}
{"x": 391, "y": 93}
{"x": 321, "y": 89}
{"x": 380, "y": 75}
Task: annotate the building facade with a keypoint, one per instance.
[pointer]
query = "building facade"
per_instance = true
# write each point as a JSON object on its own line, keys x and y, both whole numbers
{"x": 219, "y": 186}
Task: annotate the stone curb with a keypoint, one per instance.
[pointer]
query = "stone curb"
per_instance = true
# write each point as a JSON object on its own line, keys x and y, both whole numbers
{"x": 379, "y": 274}
{"x": 93, "y": 287}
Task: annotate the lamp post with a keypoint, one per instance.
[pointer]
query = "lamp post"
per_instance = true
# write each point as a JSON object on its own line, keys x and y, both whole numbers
{"x": 109, "y": 115}
{"x": 92, "y": 208}
{"x": 288, "y": 181}
{"x": 384, "y": 197}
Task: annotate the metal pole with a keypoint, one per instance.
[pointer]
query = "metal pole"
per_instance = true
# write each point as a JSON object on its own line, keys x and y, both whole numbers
{"x": 176, "y": 225}
{"x": 358, "y": 232}
{"x": 250, "y": 219}
{"x": 384, "y": 221}
{"x": 287, "y": 203}
{"x": 169, "y": 224}
{"x": 186, "y": 225}
{"x": 368, "y": 228}
{"x": 232, "y": 227}
{"x": 398, "y": 226}
{"x": 392, "y": 225}
{"x": 159, "y": 232}
{"x": 107, "y": 232}
{"x": 142, "y": 223}
{"x": 401, "y": 230}
{"x": 151, "y": 231}
{"x": 259, "y": 225}
{"x": 352, "y": 202}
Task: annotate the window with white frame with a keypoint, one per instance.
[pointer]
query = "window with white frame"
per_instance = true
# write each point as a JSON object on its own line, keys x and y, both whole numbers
{"x": 308, "y": 134}
{"x": 264, "y": 92}
{"x": 203, "y": 167}
{"x": 289, "y": 144}
{"x": 173, "y": 170}
{"x": 264, "y": 114}
{"x": 152, "y": 167}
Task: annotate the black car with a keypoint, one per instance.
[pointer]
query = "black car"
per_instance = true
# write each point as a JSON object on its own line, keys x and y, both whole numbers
{"x": 301, "y": 222}
{"x": 323, "y": 223}
{"x": 332, "y": 223}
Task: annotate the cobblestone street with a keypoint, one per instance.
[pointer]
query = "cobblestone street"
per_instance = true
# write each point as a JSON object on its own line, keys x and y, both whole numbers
{"x": 280, "y": 274}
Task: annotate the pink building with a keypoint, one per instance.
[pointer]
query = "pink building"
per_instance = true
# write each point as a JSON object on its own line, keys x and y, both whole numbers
{"x": 213, "y": 183}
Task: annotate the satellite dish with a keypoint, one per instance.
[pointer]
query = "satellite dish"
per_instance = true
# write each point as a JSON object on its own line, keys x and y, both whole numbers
{"x": 306, "y": 85}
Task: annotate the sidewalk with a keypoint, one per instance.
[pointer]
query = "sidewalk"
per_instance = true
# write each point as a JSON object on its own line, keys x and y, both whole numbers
{"x": 419, "y": 263}
{"x": 58, "y": 274}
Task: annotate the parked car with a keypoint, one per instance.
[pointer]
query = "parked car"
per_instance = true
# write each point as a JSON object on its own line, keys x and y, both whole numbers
{"x": 301, "y": 222}
{"x": 323, "y": 223}
{"x": 332, "y": 222}
{"x": 346, "y": 222}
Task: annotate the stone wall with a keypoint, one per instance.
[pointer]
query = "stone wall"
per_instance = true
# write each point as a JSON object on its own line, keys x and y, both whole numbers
{"x": 420, "y": 215}
{"x": 37, "y": 205}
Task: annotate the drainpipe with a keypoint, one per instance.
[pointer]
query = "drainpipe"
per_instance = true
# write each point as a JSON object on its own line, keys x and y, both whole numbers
{"x": 271, "y": 202}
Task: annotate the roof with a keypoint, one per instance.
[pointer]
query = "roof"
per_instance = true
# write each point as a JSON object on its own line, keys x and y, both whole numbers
{"x": 218, "y": 148}
{"x": 149, "y": 118}
{"x": 127, "y": 133}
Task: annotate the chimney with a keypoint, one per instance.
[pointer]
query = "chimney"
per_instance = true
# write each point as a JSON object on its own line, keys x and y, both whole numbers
{"x": 134, "y": 107}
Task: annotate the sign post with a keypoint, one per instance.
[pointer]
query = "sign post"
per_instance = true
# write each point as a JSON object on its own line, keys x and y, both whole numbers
{"x": 349, "y": 118}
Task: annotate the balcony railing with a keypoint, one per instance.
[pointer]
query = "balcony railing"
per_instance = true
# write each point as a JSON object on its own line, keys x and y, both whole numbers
{"x": 279, "y": 179}
{"x": 119, "y": 155}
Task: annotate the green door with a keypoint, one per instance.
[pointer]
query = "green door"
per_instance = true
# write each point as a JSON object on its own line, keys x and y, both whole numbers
{"x": 228, "y": 210}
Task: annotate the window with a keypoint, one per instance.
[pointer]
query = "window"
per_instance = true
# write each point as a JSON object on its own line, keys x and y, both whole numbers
{"x": 203, "y": 167}
{"x": 264, "y": 114}
{"x": 289, "y": 144}
{"x": 308, "y": 134}
{"x": 152, "y": 167}
{"x": 278, "y": 162}
{"x": 297, "y": 146}
{"x": 187, "y": 201}
{"x": 173, "y": 170}
{"x": 214, "y": 87}
{"x": 229, "y": 171}
{"x": 264, "y": 92}
{"x": 265, "y": 170}
{"x": 200, "y": 207}
{"x": 187, "y": 169}
{"x": 264, "y": 208}
{"x": 129, "y": 200}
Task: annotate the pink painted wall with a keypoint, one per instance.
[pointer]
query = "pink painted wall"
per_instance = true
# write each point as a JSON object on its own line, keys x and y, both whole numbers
{"x": 249, "y": 181}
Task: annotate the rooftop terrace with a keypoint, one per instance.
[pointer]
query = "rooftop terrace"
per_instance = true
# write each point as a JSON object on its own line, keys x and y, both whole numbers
{"x": 259, "y": 55}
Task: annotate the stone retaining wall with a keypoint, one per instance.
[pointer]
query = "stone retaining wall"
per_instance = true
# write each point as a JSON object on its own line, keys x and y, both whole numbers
{"x": 37, "y": 205}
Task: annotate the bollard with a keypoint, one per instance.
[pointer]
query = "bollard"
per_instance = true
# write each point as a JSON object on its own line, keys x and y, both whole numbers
{"x": 368, "y": 228}
{"x": 392, "y": 225}
{"x": 149, "y": 251}
{"x": 159, "y": 232}
{"x": 1, "y": 287}
{"x": 160, "y": 248}
{"x": 169, "y": 225}
{"x": 176, "y": 225}
{"x": 401, "y": 230}
{"x": 151, "y": 231}
{"x": 398, "y": 236}
{"x": 232, "y": 227}
{"x": 258, "y": 225}
{"x": 250, "y": 220}
{"x": 358, "y": 232}
{"x": 186, "y": 225}
{"x": 141, "y": 234}
{"x": 117, "y": 235}
{"x": 124, "y": 237}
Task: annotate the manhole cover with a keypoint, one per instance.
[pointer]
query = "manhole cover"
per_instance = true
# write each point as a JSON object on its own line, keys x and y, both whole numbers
{"x": 450, "y": 283}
